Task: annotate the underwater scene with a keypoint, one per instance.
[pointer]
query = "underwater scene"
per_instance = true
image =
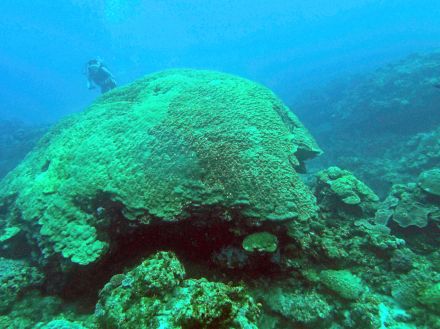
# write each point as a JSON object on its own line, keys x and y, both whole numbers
{"x": 219, "y": 164}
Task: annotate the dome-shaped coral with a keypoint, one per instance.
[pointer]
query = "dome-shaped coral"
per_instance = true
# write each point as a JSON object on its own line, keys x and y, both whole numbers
{"x": 157, "y": 149}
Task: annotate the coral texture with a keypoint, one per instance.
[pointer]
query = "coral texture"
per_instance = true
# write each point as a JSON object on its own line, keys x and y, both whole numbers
{"x": 157, "y": 149}
{"x": 261, "y": 242}
{"x": 15, "y": 277}
{"x": 340, "y": 193}
{"x": 342, "y": 282}
{"x": 178, "y": 303}
{"x": 409, "y": 205}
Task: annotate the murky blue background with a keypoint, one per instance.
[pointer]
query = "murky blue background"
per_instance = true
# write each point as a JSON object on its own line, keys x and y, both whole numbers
{"x": 286, "y": 45}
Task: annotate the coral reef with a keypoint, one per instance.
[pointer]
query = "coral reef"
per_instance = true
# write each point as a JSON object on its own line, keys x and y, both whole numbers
{"x": 176, "y": 202}
{"x": 381, "y": 101}
{"x": 304, "y": 308}
{"x": 382, "y": 166}
{"x": 430, "y": 297}
{"x": 375, "y": 124}
{"x": 33, "y": 310}
{"x": 298, "y": 307}
{"x": 16, "y": 276}
{"x": 260, "y": 242}
{"x": 429, "y": 181}
{"x": 340, "y": 193}
{"x": 157, "y": 296}
{"x": 409, "y": 205}
{"x": 343, "y": 283}
{"x": 60, "y": 324}
{"x": 161, "y": 149}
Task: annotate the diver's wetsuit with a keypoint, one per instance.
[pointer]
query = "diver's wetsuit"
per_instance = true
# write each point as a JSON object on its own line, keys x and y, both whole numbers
{"x": 98, "y": 74}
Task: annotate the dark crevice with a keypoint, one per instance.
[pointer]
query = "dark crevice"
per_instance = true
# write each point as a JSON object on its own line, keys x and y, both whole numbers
{"x": 194, "y": 240}
{"x": 45, "y": 166}
{"x": 421, "y": 240}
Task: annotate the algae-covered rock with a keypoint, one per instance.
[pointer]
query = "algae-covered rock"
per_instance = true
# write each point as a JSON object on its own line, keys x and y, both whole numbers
{"x": 261, "y": 242}
{"x": 429, "y": 181}
{"x": 157, "y": 275}
{"x": 16, "y": 276}
{"x": 177, "y": 304}
{"x": 156, "y": 150}
{"x": 35, "y": 310}
{"x": 407, "y": 288}
{"x": 338, "y": 191}
{"x": 430, "y": 297}
{"x": 342, "y": 282}
{"x": 303, "y": 308}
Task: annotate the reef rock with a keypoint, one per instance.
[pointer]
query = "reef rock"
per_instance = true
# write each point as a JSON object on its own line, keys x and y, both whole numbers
{"x": 178, "y": 303}
{"x": 158, "y": 150}
{"x": 16, "y": 276}
{"x": 305, "y": 309}
{"x": 61, "y": 324}
{"x": 340, "y": 193}
{"x": 343, "y": 283}
{"x": 429, "y": 181}
{"x": 409, "y": 205}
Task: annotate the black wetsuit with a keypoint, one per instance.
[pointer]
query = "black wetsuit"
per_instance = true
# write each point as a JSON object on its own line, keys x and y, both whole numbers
{"x": 99, "y": 75}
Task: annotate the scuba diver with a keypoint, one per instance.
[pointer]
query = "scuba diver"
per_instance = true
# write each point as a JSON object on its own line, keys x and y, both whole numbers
{"x": 99, "y": 75}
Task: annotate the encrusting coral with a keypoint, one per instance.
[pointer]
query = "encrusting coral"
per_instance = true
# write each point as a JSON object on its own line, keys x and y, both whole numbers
{"x": 343, "y": 283}
{"x": 411, "y": 205}
{"x": 260, "y": 242}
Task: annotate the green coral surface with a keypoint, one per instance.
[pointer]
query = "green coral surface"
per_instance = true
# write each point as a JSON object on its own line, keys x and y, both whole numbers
{"x": 261, "y": 242}
{"x": 340, "y": 193}
{"x": 342, "y": 282}
{"x": 160, "y": 147}
{"x": 16, "y": 276}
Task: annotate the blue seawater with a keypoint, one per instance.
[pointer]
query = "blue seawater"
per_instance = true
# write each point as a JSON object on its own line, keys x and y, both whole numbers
{"x": 105, "y": 104}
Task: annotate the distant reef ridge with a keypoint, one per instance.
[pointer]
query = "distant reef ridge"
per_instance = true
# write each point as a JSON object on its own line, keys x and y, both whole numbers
{"x": 393, "y": 99}
{"x": 383, "y": 125}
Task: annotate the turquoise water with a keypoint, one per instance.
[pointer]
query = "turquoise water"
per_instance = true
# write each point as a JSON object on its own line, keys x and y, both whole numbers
{"x": 219, "y": 164}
